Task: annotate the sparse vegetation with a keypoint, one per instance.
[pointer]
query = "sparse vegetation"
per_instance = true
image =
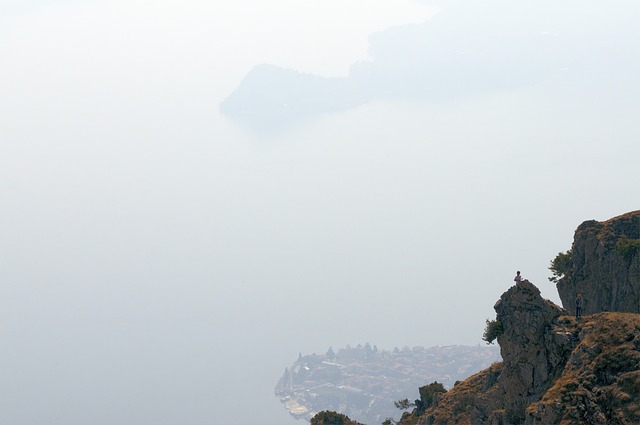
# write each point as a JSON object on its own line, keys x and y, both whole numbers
{"x": 607, "y": 383}
{"x": 428, "y": 393}
{"x": 453, "y": 406}
{"x": 627, "y": 247}
{"x": 560, "y": 266}
{"x": 492, "y": 331}
{"x": 595, "y": 362}
{"x": 428, "y": 396}
{"x": 592, "y": 365}
{"x": 332, "y": 418}
{"x": 404, "y": 404}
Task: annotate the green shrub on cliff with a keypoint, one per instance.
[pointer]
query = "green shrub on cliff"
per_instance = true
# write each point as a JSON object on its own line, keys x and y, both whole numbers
{"x": 492, "y": 331}
{"x": 560, "y": 266}
{"x": 404, "y": 404}
{"x": 628, "y": 247}
{"x": 332, "y": 418}
{"x": 428, "y": 394}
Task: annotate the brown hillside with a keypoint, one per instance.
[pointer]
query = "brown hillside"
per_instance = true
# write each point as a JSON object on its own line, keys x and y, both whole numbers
{"x": 556, "y": 370}
{"x": 601, "y": 381}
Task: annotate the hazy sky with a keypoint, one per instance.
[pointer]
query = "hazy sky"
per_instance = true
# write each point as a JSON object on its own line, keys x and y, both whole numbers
{"x": 160, "y": 263}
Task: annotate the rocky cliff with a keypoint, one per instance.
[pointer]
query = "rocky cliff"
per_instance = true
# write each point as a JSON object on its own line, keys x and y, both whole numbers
{"x": 604, "y": 265}
{"x": 531, "y": 350}
{"x": 555, "y": 369}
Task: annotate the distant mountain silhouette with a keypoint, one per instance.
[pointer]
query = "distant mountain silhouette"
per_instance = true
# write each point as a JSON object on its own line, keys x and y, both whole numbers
{"x": 467, "y": 48}
{"x": 271, "y": 90}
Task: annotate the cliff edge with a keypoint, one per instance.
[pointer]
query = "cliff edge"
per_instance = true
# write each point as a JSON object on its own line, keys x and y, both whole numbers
{"x": 604, "y": 265}
{"x": 555, "y": 369}
{"x": 558, "y": 369}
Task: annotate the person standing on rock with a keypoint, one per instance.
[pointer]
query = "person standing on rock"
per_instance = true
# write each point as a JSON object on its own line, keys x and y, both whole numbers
{"x": 518, "y": 278}
{"x": 579, "y": 306}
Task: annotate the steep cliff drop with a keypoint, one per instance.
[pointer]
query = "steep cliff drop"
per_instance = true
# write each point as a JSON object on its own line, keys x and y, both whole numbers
{"x": 604, "y": 265}
{"x": 558, "y": 369}
{"x": 555, "y": 369}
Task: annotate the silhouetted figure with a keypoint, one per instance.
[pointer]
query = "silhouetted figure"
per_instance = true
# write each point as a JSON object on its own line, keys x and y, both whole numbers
{"x": 518, "y": 278}
{"x": 579, "y": 306}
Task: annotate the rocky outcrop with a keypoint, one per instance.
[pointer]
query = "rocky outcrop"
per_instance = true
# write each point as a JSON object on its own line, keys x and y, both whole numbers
{"x": 604, "y": 265}
{"x": 531, "y": 350}
{"x": 532, "y": 353}
{"x": 555, "y": 369}
{"x": 600, "y": 383}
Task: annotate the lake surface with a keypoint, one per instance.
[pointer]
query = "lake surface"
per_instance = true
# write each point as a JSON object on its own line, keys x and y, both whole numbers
{"x": 162, "y": 263}
{"x": 176, "y": 281}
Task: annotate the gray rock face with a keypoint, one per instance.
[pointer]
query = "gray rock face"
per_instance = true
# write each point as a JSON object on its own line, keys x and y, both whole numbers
{"x": 555, "y": 369}
{"x": 534, "y": 351}
{"x": 604, "y": 266}
{"x": 531, "y": 351}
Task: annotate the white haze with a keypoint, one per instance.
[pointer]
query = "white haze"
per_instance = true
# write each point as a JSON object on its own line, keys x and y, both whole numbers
{"x": 161, "y": 264}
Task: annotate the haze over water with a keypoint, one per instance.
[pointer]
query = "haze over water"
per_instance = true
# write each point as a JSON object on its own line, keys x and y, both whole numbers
{"x": 161, "y": 263}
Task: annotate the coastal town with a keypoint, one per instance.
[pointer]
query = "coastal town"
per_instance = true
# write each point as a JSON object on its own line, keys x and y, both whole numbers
{"x": 363, "y": 382}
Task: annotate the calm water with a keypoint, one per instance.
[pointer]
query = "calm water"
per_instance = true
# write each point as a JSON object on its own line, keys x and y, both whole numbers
{"x": 162, "y": 264}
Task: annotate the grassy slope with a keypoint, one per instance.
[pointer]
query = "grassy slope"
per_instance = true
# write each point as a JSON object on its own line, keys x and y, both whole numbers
{"x": 600, "y": 383}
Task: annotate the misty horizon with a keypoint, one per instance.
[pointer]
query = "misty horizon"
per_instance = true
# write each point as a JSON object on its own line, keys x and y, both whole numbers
{"x": 163, "y": 262}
